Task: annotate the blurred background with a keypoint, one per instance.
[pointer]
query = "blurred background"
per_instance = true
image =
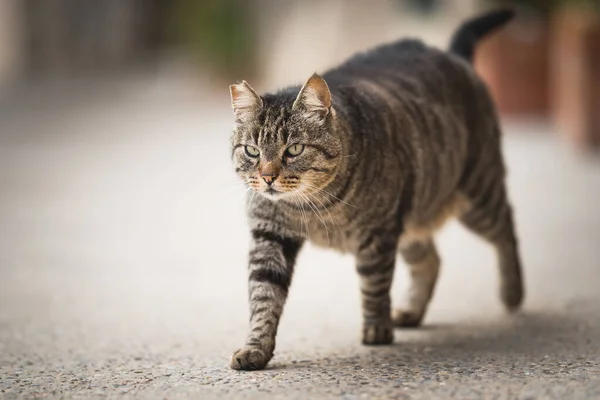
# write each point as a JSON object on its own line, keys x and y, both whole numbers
{"x": 541, "y": 66}
{"x": 122, "y": 224}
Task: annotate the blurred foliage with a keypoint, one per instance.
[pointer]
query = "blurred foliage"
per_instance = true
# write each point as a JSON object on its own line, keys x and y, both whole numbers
{"x": 548, "y": 6}
{"x": 220, "y": 33}
{"x": 421, "y": 6}
{"x": 541, "y": 6}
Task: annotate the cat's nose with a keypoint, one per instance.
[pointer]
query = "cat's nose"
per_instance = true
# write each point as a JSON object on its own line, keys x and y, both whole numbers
{"x": 269, "y": 178}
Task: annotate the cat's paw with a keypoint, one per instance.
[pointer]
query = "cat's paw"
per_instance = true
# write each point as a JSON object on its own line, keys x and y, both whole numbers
{"x": 250, "y": 359}
{"x": 374, "y": 334}
{"x": 406, "y": 318}
{"x": 512, "y": 296}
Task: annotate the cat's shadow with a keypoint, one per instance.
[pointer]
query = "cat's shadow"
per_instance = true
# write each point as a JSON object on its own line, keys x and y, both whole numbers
{"x": 524, "y": 336}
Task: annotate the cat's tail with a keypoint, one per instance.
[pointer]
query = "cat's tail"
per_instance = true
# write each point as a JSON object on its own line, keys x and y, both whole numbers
{"x": 470, "y": 32}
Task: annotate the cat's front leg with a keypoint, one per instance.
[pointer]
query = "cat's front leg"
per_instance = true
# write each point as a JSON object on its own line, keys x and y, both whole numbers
{"x": 375, "y": 266}
{"x": 271, "y": 266}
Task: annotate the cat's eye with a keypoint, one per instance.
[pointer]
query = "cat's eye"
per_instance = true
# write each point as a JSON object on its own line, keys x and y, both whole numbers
{"x": 251, "y": 151}
{"x": 294, "y": 150}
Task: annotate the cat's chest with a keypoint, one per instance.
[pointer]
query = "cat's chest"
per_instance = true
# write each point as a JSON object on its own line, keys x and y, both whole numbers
{"x": 329, "y": 232}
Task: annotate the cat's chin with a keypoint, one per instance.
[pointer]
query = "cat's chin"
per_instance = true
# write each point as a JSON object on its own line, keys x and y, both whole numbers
{"x": 274, "y": 195}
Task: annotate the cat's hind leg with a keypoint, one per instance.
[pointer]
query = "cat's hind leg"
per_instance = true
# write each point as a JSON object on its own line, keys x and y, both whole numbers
{"x": 423, "y": 264}
{"x": 490, "y": 216}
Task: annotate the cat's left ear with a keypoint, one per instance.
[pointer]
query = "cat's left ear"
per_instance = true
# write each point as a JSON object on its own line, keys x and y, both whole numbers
{"x": 314, "y": 97}
{"x": 245, "y": 101}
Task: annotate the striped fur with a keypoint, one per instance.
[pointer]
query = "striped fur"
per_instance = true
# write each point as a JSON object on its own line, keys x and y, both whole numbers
{"x": 395, "y": 141}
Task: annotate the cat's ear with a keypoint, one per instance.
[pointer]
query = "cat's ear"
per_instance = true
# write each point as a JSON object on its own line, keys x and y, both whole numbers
{"x": 314, "y": 97}
{"x": 245, "y": 101}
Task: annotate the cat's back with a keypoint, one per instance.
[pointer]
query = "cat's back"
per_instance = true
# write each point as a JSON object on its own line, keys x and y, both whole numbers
{"x": 391, "y": 56}
{"x": 406, "y": 60}
{"x": 437, "y": 91}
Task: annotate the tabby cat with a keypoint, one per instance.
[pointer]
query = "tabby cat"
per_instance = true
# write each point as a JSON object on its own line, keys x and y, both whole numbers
{"x": 370, "y": 159}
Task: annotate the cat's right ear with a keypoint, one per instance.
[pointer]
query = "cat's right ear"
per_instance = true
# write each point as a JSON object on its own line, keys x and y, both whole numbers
{"x": 245, "y": 101}
{"x": 314, "y": 99}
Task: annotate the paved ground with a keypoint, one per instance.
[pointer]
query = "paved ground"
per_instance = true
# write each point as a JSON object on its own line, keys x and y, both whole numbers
{"x": 122, "y": 269}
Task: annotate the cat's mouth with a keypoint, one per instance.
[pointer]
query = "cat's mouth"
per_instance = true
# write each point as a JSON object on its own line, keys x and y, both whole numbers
{"x": 274, "y": 194}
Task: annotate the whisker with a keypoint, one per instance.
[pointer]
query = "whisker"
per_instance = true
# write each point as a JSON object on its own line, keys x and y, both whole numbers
{"x": 249, "y": 204}
{"x": 317, "y": 214}
{"x": 310, "y": 186}
{"x": 303, "y": 214}
{"x": 229, "y": 189}
{"x": 325, "y": 208}
{"x": 318, "y": 193}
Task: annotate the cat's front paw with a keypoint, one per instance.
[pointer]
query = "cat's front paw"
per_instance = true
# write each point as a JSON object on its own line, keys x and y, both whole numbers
{"x": 381, "y": 333}
{"x": 250, "y": 359}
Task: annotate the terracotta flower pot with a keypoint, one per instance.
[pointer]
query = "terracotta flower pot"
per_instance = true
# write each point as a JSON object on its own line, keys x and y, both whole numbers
{"x": 575, "y": 75}
{"x": 514, "y": 63}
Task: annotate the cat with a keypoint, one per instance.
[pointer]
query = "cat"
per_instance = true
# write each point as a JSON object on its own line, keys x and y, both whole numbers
{"x": 371, "y": 158}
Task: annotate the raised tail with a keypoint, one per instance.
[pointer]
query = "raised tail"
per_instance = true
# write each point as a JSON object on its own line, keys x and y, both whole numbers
{"x": 470, "y": 32}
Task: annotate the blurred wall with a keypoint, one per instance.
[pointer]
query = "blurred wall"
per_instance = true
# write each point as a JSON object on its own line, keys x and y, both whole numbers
{"x": 74, "y": 37}
{"x": 301, "y": 37}
{"x": 10, "y": 42}
{"x": 294, "y": 38}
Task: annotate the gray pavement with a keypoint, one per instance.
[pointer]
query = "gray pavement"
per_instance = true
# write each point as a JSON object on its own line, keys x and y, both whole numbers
{"x": 122, "y": 268}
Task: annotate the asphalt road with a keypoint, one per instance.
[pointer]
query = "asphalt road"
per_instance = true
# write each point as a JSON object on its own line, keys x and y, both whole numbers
{"x": 122, "y": 270}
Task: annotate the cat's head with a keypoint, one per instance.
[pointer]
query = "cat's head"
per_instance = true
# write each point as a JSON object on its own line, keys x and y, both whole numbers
{"x": 284, "y": 145}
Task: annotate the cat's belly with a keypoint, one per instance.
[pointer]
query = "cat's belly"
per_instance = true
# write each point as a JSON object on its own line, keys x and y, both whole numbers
{"x": 421, "y": 227}
{"x": 331, "y": 234}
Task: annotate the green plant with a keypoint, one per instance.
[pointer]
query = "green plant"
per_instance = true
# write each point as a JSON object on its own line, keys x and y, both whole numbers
{"x": 219, "y": 32}
{"x": 547, "y": 6}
